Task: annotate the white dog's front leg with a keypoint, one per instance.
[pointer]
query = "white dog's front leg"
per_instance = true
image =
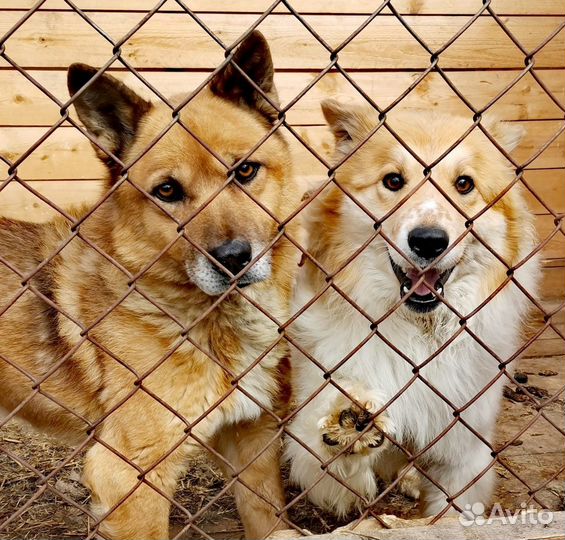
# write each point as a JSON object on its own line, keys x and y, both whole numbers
{"x": 330, "y": 423}
{"x": 454, "y": 476}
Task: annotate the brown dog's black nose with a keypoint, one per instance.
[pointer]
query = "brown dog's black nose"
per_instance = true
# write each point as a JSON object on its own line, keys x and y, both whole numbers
{"x": 233, "y": 255}
{"x": 428, "y": 242}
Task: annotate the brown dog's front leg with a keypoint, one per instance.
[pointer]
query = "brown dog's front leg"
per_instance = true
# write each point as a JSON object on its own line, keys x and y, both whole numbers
{"x": 143, "y": 514}
{"x": 132, "y": 509}
{"x": 239, "y": 444}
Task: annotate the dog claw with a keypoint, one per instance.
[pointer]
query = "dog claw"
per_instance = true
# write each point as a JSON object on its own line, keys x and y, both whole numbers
{"x": 380, "y": 440}
{"x": 329, "y": 441}
{"x": 347, "y": 418}
{"x": 362, "y": 421}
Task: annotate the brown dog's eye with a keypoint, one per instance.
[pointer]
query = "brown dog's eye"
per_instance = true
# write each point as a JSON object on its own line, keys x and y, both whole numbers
{"x": 393, "y": 181}
{"x": 169, "y": 191}
{"x": 464, "y": 184}
{"x": 246, "y": 171}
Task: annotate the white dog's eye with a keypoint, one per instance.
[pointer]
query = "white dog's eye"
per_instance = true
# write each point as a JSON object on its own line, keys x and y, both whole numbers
{"x": 393, "y": 181}
{"x": 464, "y": 184}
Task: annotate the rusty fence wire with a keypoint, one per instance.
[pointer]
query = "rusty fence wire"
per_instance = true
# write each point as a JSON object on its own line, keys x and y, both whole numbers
{"x": 46, "y": 482}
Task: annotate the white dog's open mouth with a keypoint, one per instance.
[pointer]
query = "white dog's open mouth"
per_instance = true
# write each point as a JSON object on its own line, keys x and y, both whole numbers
{"x": 422, "y": 299}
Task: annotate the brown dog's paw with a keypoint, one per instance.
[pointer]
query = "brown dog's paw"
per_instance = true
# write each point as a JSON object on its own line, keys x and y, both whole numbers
{"x": 347, "y": 420}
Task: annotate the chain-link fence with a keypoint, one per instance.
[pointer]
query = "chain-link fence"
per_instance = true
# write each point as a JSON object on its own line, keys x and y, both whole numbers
{"x": 215, "y": 376}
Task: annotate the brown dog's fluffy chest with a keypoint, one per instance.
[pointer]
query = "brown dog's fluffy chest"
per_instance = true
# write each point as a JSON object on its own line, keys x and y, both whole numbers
{"x": 210, "y": 367}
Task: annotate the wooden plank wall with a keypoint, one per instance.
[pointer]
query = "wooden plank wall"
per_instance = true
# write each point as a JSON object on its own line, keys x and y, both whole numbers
{"x": 174, "y": 54}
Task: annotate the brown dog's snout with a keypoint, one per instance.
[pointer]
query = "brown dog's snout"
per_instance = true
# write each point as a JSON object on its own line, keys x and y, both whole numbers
{"x": 428, "y": 242}
{"x": 233, "y": 255}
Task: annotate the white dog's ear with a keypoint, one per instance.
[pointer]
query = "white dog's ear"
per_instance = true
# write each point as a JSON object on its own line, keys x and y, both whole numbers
{"x": 507, "y": 134}
{"x": 349, "y": 122}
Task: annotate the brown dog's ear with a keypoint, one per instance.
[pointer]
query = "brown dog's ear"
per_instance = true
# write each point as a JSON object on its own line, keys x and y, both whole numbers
{"x": 109, "y": 110}
{"x": 349, "y": 122}
{"x": 253, "y": 56}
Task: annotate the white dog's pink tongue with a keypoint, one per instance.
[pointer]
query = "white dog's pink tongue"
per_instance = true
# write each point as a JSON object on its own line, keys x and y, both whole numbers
{"x": 430, "y": 276}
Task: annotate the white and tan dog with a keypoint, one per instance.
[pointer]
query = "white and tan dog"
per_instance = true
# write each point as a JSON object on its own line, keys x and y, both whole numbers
{"x": 435, "y": 260}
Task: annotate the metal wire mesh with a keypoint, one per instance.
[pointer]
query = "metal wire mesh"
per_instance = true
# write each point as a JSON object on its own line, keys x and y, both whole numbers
{"x": 46, "y": 481}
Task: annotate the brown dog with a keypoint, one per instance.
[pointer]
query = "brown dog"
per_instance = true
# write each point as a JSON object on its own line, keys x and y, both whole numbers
{"x": 145, "y": 337}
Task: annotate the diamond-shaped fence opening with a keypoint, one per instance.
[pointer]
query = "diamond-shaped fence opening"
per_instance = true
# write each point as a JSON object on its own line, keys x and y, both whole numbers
{"x": 235, "y": 312}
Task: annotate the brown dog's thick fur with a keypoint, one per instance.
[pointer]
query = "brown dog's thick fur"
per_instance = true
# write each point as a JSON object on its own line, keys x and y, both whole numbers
{"x": 115, "y": 350}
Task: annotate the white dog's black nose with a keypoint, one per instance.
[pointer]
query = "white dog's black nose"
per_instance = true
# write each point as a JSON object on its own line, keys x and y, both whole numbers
{"x": 428, "y": 242}
{"x": 234, "y": 255}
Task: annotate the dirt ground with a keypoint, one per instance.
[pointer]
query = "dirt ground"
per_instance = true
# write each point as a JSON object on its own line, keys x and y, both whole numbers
{"x": 52, "y": 518}
{"x": 537, "y": 457}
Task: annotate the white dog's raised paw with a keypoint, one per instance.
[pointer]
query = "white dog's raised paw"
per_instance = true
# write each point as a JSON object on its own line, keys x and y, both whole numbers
{"x": 343, "y": 426}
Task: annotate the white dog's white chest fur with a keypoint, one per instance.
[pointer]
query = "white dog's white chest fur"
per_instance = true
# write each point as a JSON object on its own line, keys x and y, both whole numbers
{"x": 459, "y": 372}
{"x": 429, "y": 394}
